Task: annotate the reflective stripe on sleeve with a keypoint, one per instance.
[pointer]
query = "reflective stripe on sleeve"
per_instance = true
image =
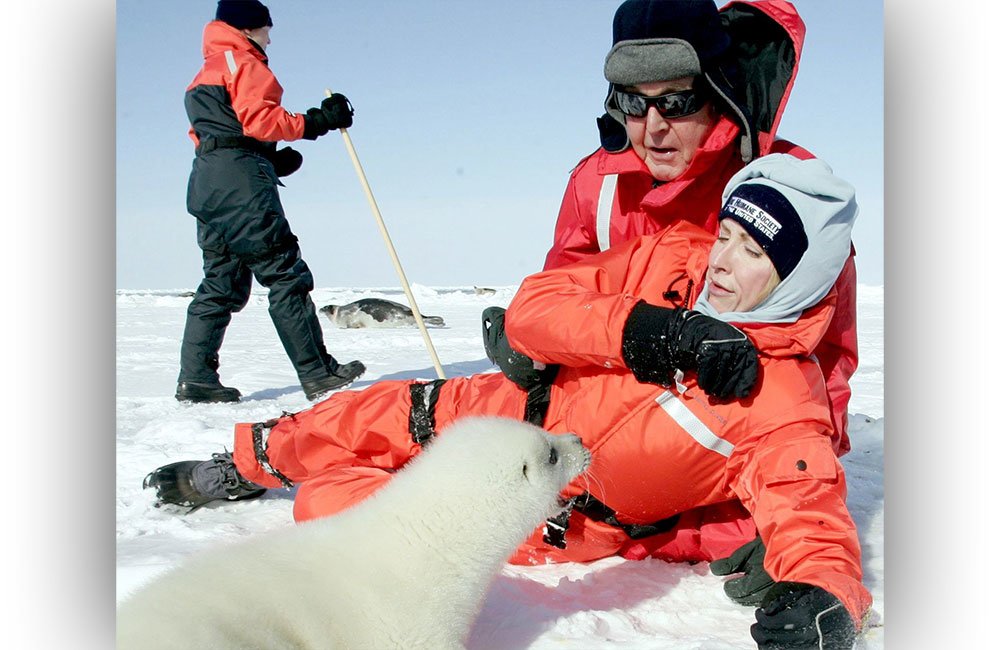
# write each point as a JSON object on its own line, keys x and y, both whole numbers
{"x": 682, "y": 415}
{"x": 604, "y": 202}
{"x": 231, "y": 61}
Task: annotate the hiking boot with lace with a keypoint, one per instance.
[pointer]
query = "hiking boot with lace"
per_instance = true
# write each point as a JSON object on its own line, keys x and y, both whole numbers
{"x": 343, "y": 376}
{"x": 193, "y": 483}
{"x": 191, "y": 391}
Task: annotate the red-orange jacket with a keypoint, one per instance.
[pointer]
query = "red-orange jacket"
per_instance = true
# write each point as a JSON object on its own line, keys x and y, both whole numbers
{"x": 642, "y": 207}
{"x": 235, "y": 93}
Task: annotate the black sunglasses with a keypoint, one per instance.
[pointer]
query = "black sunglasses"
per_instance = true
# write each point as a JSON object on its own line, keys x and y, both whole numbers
{"x": 677, "y": 104}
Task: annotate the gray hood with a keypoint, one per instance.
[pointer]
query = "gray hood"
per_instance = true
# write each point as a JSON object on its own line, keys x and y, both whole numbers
{"x": 827, "y": 206}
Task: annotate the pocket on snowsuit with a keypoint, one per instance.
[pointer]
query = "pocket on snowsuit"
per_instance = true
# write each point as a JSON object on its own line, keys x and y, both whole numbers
{"x": 235, "y": 193}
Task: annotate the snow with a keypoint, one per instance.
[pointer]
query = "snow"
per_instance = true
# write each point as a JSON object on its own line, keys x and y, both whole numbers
{"x": 611, "y": 603}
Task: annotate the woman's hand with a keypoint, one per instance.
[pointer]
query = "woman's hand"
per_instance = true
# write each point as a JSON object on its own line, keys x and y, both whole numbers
{"x": 658, "y": 341}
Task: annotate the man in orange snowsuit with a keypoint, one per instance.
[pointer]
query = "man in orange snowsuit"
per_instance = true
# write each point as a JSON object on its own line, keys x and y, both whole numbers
{"x": 637, "y": 382}
{"x": 695, "y": 93}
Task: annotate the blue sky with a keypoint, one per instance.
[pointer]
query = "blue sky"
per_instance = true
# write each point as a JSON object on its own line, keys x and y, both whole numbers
{"x": 470, "y": 116}
{"x": 62, "y": 72}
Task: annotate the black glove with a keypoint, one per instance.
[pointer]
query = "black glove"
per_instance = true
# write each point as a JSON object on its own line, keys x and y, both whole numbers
{"x": 286, "y": 161}
{"x": 750, "y": 588}
{"x": 658, "y": 341}
{"x": 797, "y": 615}
{"x": 517, "y": 367}
{"x": 335, "y": 112}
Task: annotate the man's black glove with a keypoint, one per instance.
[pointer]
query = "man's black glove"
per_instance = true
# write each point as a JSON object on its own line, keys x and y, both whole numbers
{"x": 797, "y": 615}
{"x": 335, "y": 112}
{"x": 751, "y": 587}
{"x": 658, "y": 341}
{"x": 286, "y": 161}
{"x": 517, "y": 367}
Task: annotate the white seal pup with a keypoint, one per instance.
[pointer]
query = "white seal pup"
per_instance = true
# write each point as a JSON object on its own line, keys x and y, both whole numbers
{"x": 407, "y": 568}
{"x": 376, "y": 312}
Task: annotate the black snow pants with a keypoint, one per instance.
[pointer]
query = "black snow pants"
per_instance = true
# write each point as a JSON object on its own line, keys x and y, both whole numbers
{"x": 243, "y": 234}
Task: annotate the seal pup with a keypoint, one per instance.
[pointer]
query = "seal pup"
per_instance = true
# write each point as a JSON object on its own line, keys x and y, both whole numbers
{"x": 376, "y": 312}
{"x": 407, "y": 568}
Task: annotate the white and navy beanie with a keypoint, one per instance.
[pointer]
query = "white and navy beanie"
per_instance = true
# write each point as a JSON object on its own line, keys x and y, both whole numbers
{"x": 802, "y": 215}
{"x": 771, "y": 220}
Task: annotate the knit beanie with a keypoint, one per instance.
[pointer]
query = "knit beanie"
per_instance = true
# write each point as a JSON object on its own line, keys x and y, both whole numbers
{"x": 243, "y": 14}
{"x": 771, "y": 220}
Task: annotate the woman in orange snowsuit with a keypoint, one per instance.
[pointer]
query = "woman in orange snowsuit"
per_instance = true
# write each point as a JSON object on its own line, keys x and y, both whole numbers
{"x": 660, "y": 444}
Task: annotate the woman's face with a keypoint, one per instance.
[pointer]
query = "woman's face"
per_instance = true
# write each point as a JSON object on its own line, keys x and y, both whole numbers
{"x": 740, "y": 274}
{"x": 667, "y": 145}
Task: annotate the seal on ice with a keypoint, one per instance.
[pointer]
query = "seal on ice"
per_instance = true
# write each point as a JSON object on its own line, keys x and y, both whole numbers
{"x": 376, "y": 312}
{"x": 408, "y": 567}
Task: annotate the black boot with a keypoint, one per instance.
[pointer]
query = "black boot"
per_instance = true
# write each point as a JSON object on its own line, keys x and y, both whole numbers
{"x": 343, "y": 375}
{"x": 197, "y": 482}
{"x": 190, "y": 391}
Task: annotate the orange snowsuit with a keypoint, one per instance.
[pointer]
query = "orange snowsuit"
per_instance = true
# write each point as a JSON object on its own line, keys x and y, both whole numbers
{"x": 656, "y": 452}
{"x": 640, "y": 206}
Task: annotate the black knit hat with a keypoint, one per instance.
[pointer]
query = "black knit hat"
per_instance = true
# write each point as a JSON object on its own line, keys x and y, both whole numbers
{"x": 243, "y": 14}
{"x": 771, "y": 220}
{"x": 657, "y": 40}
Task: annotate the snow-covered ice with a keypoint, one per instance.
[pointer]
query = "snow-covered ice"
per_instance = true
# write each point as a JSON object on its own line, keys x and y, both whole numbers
{"x": 611, "y": 603}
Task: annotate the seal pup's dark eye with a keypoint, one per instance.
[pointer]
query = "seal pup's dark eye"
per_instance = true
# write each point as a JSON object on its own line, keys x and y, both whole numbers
{"x": 553, "y": 456}
{"x": 525, "y": 470}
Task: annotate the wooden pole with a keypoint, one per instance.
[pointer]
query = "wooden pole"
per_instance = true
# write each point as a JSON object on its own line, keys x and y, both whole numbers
{"x": 392, "y": 250}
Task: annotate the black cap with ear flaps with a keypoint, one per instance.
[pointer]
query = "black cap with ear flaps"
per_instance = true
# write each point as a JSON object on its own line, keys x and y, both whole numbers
{"x": 655, "y": 40}
{"x": 746, "y": 59}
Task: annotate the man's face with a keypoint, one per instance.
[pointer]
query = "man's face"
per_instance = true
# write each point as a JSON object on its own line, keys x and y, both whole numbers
{"x": 667, "y": 145}
{"x": 261, "y": 36}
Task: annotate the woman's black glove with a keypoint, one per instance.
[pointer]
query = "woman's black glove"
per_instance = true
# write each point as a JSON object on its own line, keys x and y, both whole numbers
{"x": 796, "y": 615}
{"x": 286, "y": 161}
{"x": 335, "y": 112}
{"x": 658, "y": 341}
{"x": 753, "y": 585}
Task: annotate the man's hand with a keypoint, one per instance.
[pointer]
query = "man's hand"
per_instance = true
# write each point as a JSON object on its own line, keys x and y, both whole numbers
{"x": 724, "y": 357}
{"x": 338, "y": 111}
{"x": 335, "y": 112}
{"x": 286, "y": 161}
{"x": 658, "y": 341}
{"x": 517, "y": 367}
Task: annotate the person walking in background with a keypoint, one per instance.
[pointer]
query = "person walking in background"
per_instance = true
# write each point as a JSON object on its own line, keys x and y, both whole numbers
{"x": 695, "y": 93}
{"x": 234, "y": 107}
